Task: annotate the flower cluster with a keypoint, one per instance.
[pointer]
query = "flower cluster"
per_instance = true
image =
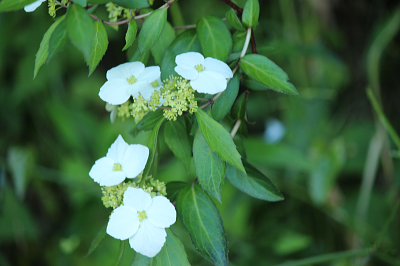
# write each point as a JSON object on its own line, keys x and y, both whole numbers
{"x": 115, "y": 12}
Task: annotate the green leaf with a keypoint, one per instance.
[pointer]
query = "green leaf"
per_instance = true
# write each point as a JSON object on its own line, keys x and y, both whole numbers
{"x": 58, "y": 39}
{"x": 142, "y": 260}
{"x": 239, "y": 108}
{"x": 11, "y": 5}
{"x": 210, "y": 168}
{"x": 83, "y": 3}
{"x": 173, "y": 189}
{"x": 219, "y": 139}
{"x": 20, "y": 163}
{"x": 224, "y": 102}
{"x": 255, "y": 183}
{"x": 43, "y": 52}
{"x": 130, "y": 34}
{"x": 173, "y": 253}
{"x": 99, "y": 1}
{"x": 97, "y": 240}
{"x": 99, "y": 46}
{"x": 151, "y": 29}
{"x": 81, "y": 29}
{"x": 215, "y": 38}
{"x": 267, "y": 73}
{"x": 254, "y": 85}
{"x": 120, "y": 253}
{"x": 150, "y": 120}
{"x": 152, "y": 145}
{"x": 166, "y": 38}
{"x": 233, "y": 20}
{"x": 251, "y": 11}
{"x": 177, "y": 140}
{"x": 200, "y": 217}
{"x": 131, "y": 4}
{"x": 185, "y": 42}
{"x": 137, "y": 56}
{"x": 238, "y": 38}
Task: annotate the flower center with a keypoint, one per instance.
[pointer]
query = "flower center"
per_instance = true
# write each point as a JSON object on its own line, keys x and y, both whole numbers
{"x": 200, "y": 67}
{"x": 142, "y": 215}
{"x": 131, "y": 80}
{"x": 155, "y": 84}
{"x": 117, "y": 167}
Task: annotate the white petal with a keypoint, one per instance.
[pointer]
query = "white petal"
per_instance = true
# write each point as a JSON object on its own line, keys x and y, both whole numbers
{"x": 123, "y": 223}
{"x": 215, "y": 65}
{"x": 190, "y": 59}
{"x": 125, "y": 70}
{"x": 140, "y": 86}
{"x": 135, "y": 160}
{"x": 113, "y": 115}
{"x": 137, "y": 198}
{"x": 101, "y": 168}
{"x": 189, "y": 73}
{"x": 112, "y": 179}
{"x": 161, "y": 212}
{"x": 33, "y": 6}
{"x": 149, "y": 239}
{"x": 150, "y": 74}
{"x": 115, "y": 91}
{"x": 209, "y": 82}
{"x": 117, "y": 150}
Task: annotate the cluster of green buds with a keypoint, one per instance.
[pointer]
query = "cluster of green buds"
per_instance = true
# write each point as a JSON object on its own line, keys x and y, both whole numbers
{"x": 115, "y": 12}
{"x": 113, "y": 196}
{"x": 53, "y": 6}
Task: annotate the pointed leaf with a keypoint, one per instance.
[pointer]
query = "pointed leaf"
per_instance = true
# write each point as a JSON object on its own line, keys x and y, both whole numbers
{"x": 200, "y": 217}
{"x": 255, "y": 183}
{"x": 99, "y": 46}
{"x": 150, "y": 120}
{"x": 97, "y": 240}
{"x": 173, "y": 189}
{"x": 215, "y": 38}
{"x": 185, "y": 42}
{"x": 152, "y": 145}
{"x": 177, "y": 140}
{"x": 166, "y": 38}
{"x": 130, "y": 34}
{"x": 173, "y": 253}
{"x": 11, "y": 5}
{"x": 58, "y": 39}
{"x": 83, "y": 3}
{"x": 234, "y": 20}
{"x": 239, "y": 108}
{"x": 251, "y": 11}
{"x": 210, "y": 168}
{"x": 218, "y": 139}
{"x": 267, "y": 73}
{"x": 130, "y": 4}
{"x": 224, "y": 102}
{"x": 151, "y": 29}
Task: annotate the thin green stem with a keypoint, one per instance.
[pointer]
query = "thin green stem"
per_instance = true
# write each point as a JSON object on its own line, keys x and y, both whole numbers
{"x": 185, "y": 27}
{"x": 235, "y": 128}
{"x": 246, "y": 43}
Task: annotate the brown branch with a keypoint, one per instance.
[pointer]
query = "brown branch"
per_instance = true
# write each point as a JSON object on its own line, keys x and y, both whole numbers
{"x": 253, "y": 43}
{"x": 234, "y": 6}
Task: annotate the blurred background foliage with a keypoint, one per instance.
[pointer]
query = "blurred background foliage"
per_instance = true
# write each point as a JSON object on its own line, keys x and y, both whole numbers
{"x": 335, "y": 164}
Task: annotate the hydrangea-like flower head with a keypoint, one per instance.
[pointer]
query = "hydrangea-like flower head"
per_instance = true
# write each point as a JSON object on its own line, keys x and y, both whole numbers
{"x": 143, "y": 220}
{"x": 33, "y": 6}
{"x": 206, "y": 75}
{"x": 122, "y": 161}
{"x": 130, "y": 79}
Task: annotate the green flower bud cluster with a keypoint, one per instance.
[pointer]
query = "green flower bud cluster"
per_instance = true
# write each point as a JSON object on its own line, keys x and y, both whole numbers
{"x": 115, "y": 11}
{"x": 179, "y": 95}
{"x": 124, "y": 110}
{"x": 139, "y": 108}
{"x": 52, "y": 4}
{"x": 113, "y": 197}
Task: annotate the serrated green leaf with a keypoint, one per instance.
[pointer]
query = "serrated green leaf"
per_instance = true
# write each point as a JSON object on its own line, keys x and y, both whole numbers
{"x": 173, "y": 253}
{"x": 151, "y": 29}
{"x": 200, "y": 217}
{"x": 173, "y": 189}
{"x": 255, "y": 183}
{"x": 166, "y": 38}
{"x": 11, "y": 5}
{"x": 150, "y": 120}
{"x": 254, "y": 85}
{"x": 251, "y": 12}
{"x": 266, "y": 72}
{"x": 81, "y": 29}
{"x": 177, "y": 140}
{"x": 43, "y": 52}
{"x": 83, "y": 3}
{"x": 99, "y": 46}
{"x": 130, "y": 34}
{"x": 185, "y": 42}
{"x": 224, "y": 102}
{"x": 58, "y": 39}
{"x": 210, "y": 168}
{"x": 152, "y": 145}
{"x": 131, "y": 4}
{"x": 239, "y": 108}
{"x": 215, "y": 38}
{"x": 233, "y": 20}
{"x": 97, "y": 240}
{"x": 219, "y": 140}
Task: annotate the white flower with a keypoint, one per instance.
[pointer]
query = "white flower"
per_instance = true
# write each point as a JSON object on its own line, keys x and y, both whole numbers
{"x": 129, "y": 79}
{"x": 206, "y": 75}
{"x": 143, "y": 220}
{"x": 33, "y": 6}
{"x": 122, "y": 161}
{"x": 113, "y": 109}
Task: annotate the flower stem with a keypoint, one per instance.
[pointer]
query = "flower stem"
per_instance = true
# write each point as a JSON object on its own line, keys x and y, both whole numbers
{"x": 185, "y": 27}
{"x": 236, "y": 127}
{"x": 246, "y": 43}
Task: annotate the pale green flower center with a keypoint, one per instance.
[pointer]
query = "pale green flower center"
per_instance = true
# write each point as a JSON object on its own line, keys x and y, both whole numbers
{"x": 142, "y": 215}
{"x": 200, "y": 67}
{"x": 155, "y": 84}
{"x": 131, "y": 80}
{"x": 117, "y": 167}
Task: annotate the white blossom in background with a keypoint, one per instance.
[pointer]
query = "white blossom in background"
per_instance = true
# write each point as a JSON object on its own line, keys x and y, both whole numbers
{"x": 129, "y": 79}
{"x": 33, "y": 6}
{"x": 113, "y": 109}
{"x": 122, "y": 161}
{"x": 143, "y": 220}
{"x": 206, "y": 75}
{"x": 274, "y": 131}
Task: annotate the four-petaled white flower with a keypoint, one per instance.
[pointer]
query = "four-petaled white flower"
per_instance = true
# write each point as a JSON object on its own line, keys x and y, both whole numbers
{"x": 122, "y": 161}
{"x": 206, "y": 75}
{"x": 143, "y": 220}
{"x": 33, "y": 6}
{"x": 130, "y": 79}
